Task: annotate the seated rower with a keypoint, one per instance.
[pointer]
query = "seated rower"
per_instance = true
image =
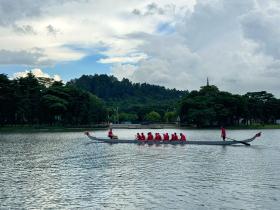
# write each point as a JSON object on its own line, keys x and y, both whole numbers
{"x": 172, "y": 137}
{"x": 159, "y": 137}
{"x": 166, "y": 137}
{"x": 156, "y": 136}
{"x": 138, "y": 136}
{"x": 143, "y": 137}
{"x": 150, "y": 137}
{"x": 183, "y": 137}
{"x": 176, "y": 137}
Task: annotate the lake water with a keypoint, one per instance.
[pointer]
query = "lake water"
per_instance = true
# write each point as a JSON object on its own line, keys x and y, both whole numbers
{"x": 68, "y": 171}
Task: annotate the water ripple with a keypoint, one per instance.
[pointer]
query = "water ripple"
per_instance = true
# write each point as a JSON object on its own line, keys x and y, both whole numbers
{"x": 65, "y": 171}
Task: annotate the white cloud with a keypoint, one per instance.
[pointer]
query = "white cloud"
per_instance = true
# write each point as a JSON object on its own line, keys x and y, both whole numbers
{"x": 37, "y": 73}
{"x": 263, "y": 28}
{"x": 52, "y": 25}
{"x": 234, "y": 42}
{"x": 123, "y": 70}
{"x": 132, "y": 58}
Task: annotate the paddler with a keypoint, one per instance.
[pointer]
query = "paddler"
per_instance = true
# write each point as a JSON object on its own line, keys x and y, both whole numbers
{"x": 182, "y": 137}
{"x": 150, "y": 137}
{"x": 223, "y": 133}
{"x": 159, "y": 137}
{"x": 172, "y": 137}
{"x": 166, "y": 137}
{"x": 156, "y": 136}
{"x": 110, "y": 133}
{"x": 138, "y": 136}
{"x": 176, "y": 137}
{"x": 143, "y": 137}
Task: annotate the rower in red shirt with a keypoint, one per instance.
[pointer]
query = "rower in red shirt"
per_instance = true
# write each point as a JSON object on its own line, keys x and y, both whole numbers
{"x": 223, "y": 133}
{"x": 183, "y": 137}
{"x": 156, "y": 136}
{"x": 159, "y": 137}
{"x": 165, "y": 137}
{"x": 143, "y": 137}
{"x": 138, "y": 136}
{"x": 176, "y": 137}
{"x": 150, "y": 137}
{"x": 110, "y": 133}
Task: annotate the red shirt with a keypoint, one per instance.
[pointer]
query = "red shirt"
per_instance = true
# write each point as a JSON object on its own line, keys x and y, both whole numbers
{"x": 150, "y": 137}
{"x": 143, "y": 137}
{"x": 223, "y": 132}
{"x": 166, "y": 137}
{"x": 110, "y": 133}
{"x": 183, "y": 137}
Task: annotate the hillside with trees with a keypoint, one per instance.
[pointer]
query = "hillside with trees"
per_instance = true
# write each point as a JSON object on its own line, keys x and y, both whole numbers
{"x": 133, "y": 101}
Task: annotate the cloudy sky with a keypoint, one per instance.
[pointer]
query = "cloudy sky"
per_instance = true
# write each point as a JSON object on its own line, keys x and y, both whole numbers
{"x": 236, "y": 43}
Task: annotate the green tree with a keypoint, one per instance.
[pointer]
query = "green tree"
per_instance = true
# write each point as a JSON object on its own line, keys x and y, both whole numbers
{"x": 153, "y": 117}
{"x": 28, "y": 94}
{"x": 7, "y": 100}
{"x": 170, "y": 117}
{"x": 128, "y": 117}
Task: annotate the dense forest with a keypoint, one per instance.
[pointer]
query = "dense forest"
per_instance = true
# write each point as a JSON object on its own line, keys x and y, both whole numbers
{"x": 133, "y": 101}
{"x": 211, "y": 107}
{"x": 31, "y": 100}
{"x": 101, "y": 99}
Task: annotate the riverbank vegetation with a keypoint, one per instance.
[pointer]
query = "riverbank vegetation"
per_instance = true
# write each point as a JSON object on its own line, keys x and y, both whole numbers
{"x": 210, "y": 107}
{"x": 99, "y": 99}
{"x": 32, "y": 101}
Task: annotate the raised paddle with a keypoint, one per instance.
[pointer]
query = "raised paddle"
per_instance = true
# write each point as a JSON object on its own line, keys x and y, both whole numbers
{"x": 241, "y": 142}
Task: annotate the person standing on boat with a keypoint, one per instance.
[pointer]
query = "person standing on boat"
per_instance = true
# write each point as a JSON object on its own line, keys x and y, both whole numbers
{"x": 223, "y": 133}
{"x": 110, "y": 133}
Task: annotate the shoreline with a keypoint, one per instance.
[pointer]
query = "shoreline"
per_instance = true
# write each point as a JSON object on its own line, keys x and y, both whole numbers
{"x": 38, "y": 129}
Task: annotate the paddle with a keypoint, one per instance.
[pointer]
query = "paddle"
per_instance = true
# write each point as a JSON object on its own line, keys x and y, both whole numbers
{"x": 241, "y": 142}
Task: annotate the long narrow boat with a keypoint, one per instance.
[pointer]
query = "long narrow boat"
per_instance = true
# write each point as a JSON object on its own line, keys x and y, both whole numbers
{"x": 133, "y": 141}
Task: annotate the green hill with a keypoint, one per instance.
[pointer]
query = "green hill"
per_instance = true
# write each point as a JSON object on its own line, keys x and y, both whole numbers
{"x": 128, "y": 97}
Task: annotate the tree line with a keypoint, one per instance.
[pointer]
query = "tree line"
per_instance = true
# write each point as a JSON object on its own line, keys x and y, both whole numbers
{"x": 98, "y": 99}
{"x": 31, "y": 100}
{"x": 211, "y": 107}
{"x": 132, "y": 102}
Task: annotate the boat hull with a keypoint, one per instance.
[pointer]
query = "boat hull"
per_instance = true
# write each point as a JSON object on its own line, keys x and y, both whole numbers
{"x": 126, "y": 141}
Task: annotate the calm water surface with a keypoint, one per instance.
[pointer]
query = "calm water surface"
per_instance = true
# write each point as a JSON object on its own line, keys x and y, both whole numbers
{"x": 68, "y": 171}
